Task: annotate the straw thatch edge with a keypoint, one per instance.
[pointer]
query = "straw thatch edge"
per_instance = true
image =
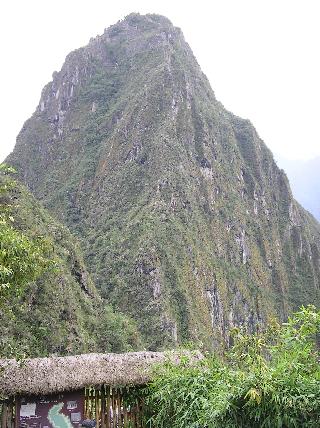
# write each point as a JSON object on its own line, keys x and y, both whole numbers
{"x": 41, "y": 376}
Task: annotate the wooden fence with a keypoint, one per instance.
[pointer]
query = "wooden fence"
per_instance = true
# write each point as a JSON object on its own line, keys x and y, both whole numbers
{"x": 114, "y": 407}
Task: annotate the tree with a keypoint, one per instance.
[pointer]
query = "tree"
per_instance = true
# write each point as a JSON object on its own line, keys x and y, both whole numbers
{"x": 22, "y": 259}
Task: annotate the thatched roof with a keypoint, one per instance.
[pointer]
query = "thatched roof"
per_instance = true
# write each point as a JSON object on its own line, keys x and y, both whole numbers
{"x": 57, "y": 374}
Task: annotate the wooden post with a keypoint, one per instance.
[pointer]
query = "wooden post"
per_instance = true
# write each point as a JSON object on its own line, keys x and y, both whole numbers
{"x": 115, "y": 405}
{"x": 103, "y": 407}
{"x": 111, "y": 407}
{"x": 108, "y": 425}
{"x": 9, "y": 415}
{"x": 88, "y": 404}
{"x": 11, "y": 412}
{"x": 143, "y": 419}
{"x": 92, "y": 408}
{"x": 119, "y": 409}
{"x": 125, "y": 411}
{"x": 16, "y": 420}
{"x": 96, "y": 406}
{"x": 85, "y": 404}
{"x": 138, "y": 414}
{"x": 4, "y": 415}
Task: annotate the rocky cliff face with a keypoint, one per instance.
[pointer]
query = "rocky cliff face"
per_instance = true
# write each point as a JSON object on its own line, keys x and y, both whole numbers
{"x": 186, "y": 222}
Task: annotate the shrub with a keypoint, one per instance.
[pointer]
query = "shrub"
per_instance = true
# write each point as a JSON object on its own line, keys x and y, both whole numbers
{"x": 270, "y": 379}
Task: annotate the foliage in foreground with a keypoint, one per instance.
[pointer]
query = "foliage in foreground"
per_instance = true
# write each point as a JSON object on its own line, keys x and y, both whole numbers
{"x": 22, "y": 259}
{"x": 270, "y": 379}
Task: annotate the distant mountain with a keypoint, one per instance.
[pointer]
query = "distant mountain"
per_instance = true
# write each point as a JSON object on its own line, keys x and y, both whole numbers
{"x": 304, "y": 177}
{"x": 186, "y": 222}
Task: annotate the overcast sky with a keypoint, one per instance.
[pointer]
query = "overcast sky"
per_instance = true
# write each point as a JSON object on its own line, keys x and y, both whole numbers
{"x": 261, "y": 57}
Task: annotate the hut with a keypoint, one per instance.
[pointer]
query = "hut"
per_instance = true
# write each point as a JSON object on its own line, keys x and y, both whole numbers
{"x": 90, "y": 390}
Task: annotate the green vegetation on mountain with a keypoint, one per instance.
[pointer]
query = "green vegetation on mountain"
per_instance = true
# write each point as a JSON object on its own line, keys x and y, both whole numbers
{"x": 48, "y": 304}
{"x": 21, "y": 260}
{"x": 186, "y": 223}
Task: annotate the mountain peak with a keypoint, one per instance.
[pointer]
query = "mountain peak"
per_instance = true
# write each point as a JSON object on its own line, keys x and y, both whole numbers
{"x": 186, "y": 222}
{"x": 148, "y": 20}
{"x": 117, "y": 48}
{"x": 135, "y": 24}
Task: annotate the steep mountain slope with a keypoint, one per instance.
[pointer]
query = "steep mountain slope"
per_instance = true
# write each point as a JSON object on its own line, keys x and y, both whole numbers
{"x": 61, "y": 312}
{"x": 186, "y": 222}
